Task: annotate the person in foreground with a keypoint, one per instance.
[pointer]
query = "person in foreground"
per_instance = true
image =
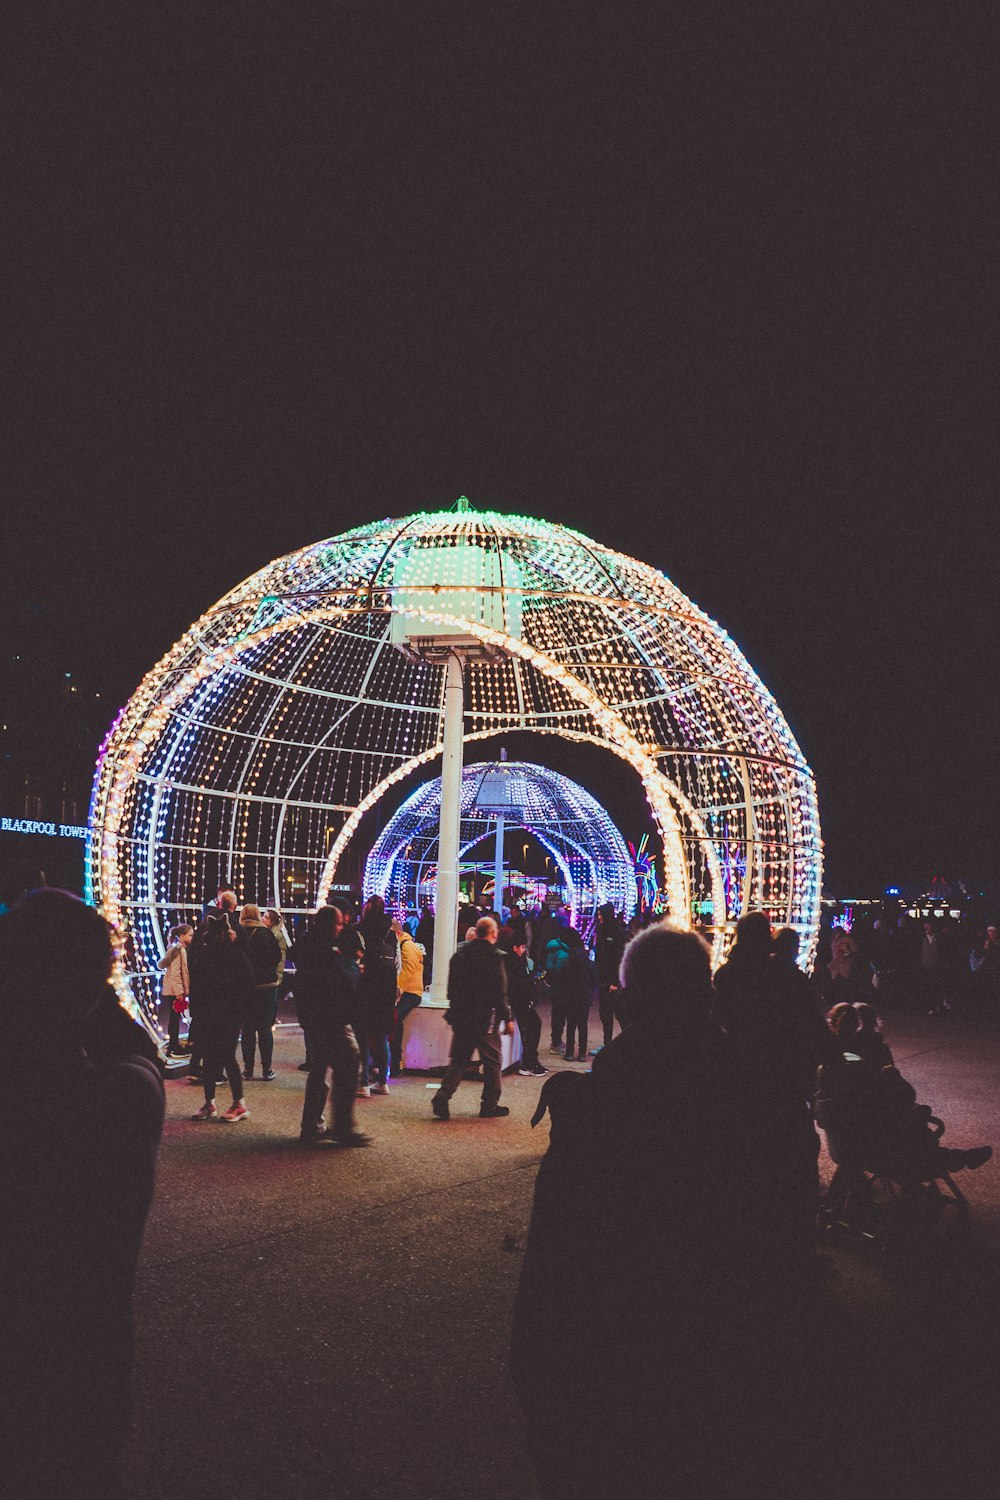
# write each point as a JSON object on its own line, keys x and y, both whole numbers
{"x": 645, "y": 1340}
{"x": 478, "y": 1013}
{"x": 81, "y": 1111}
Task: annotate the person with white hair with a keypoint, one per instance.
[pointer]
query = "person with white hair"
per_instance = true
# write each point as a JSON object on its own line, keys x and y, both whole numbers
{"x": 640, "y": 1264}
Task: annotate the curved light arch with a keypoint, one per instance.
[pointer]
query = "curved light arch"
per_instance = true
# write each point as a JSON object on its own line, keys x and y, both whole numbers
{"x": 255, "y": 740}
{"x": 621, "y": 741}
{"x": 560, "y": 813}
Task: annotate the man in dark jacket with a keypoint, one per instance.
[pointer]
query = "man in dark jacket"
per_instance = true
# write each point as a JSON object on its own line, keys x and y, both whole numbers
{"x": 521, "y": 994}
{"x": 478, "y": 1012}
{"x": 324, "y": 997}
{"x": 766, "y": 1005}
{"x": 643, "y": 1331}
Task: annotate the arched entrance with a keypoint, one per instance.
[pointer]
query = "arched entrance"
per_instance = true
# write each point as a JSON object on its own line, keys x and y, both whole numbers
{"x": 562, "y": 815}
{"x": 252, "y": 750}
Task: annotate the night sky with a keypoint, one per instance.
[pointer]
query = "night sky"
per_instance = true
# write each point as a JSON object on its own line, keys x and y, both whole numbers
{"x": 715, "y": 285}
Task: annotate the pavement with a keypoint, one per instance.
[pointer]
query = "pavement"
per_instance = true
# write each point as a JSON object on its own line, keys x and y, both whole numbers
{"x": 334, "y": 1322}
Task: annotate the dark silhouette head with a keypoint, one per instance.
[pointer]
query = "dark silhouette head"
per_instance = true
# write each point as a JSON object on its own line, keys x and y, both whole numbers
{"x": 667, "y": 975}
{"x": 216, "y": 930}
{"x": 843, "y": 1022}
{"x": 786, "y": 945}
{"x": 868, "y": 1021}
{"x": 56, "y": 955}
{"x": 753, "y": 936}
{"x": 327, "y": 922}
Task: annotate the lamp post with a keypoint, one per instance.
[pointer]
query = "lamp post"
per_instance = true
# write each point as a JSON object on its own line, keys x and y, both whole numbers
{"x": 446, "y": 893}
{"x": 498, "y": 867}
{"x": 438, "y": 590}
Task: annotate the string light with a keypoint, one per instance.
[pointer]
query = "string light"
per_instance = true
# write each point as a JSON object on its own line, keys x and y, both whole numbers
{"x": 289, "y": 710}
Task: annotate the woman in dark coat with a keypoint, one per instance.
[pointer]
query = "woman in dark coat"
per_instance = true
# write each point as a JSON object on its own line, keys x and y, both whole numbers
{"x": 264, "y": 954}
{"x": 370, "y": 996}
{"x": 222, "y": 991}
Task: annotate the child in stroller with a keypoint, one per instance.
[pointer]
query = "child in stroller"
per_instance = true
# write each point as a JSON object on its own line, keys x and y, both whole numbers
{"x": 876, "y": 1129}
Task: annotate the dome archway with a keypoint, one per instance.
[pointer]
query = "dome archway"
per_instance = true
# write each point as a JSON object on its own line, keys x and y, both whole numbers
{"x": 563, "y": 816}
{"x": 253, "y": 748}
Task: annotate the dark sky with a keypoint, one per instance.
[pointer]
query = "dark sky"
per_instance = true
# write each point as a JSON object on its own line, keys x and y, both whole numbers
{"x": 714, "y": 284}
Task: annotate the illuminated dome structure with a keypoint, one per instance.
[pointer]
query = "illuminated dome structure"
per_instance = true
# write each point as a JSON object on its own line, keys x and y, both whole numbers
{"x": 255, "y": 747}
{"x": 565, "y": 819}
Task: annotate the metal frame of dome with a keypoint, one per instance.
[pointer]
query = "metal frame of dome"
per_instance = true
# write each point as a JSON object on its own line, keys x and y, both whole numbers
{"x": 255, "y": 746}
{"x": 561, "y": 814}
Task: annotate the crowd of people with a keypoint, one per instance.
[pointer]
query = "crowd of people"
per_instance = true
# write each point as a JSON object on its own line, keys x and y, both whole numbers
{"x": 227, "y": 976}
{"x": 705, "y": 1167}
{"x": 933, "y": 964}
{"x": 677, "y": 1204}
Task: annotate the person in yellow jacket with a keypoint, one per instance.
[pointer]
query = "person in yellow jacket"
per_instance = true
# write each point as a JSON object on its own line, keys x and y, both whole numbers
{"x": 410, "y": 988}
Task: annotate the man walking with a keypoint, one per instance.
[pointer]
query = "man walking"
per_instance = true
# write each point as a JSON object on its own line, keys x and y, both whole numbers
{"x": 478, "y": 1013}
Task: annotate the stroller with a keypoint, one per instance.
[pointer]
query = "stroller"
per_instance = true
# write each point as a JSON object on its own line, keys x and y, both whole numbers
{"x": 893, "y": 1178}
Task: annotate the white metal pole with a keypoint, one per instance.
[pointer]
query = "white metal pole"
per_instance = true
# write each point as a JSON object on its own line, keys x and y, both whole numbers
{"x": 498, "y": 867}
{"x": 446, "y": 889}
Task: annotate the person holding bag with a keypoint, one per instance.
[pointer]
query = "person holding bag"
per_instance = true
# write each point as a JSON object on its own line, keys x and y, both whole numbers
{"x": 176, "y": 985}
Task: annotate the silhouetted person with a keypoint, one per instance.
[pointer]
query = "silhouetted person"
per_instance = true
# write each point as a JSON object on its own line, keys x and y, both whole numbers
{"x": 324, "y": 994}
{"x": 609, "y": 945}
{"x": 521, "y": 994}
{"x": 424, "y": 935}
{"x": 265, "y": 957}
{"x": 222, "y": 992}
{"x": 80, "y": 1120}
{"x": 766, "y": 1005}
{"x": 573, "y": 986}
{"x": 24, "y": 877}
{"x": 903, "y": 1140}
{"x": 637, "y": 1352}
{"x": 869, "y": 1043}
{"x": 477, "y": 1012}
{"x": 846, "y": 978}
{"x": 375, "y": 992}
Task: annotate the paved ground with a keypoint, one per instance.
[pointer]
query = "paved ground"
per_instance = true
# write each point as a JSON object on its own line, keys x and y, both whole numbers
{"x": 334, "y": 1323}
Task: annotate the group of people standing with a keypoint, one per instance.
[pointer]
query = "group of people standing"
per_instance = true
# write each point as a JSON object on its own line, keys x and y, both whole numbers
{"x": 354, "y": 986}
{"x": 356, "y": 982}
{"x": 228, "y": 975}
